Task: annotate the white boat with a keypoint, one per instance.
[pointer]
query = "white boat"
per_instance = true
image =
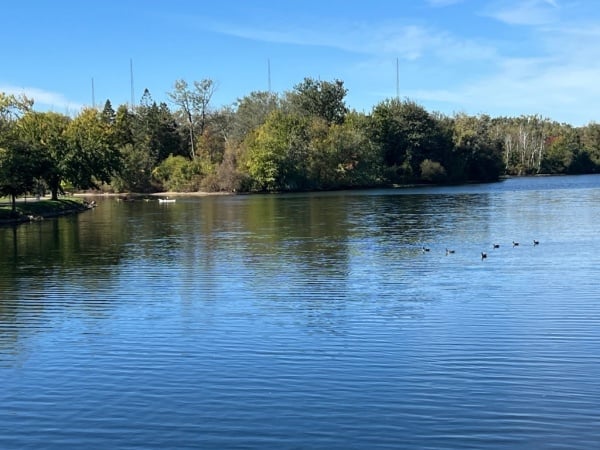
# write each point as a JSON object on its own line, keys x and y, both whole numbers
{"x": 166, "y": 200}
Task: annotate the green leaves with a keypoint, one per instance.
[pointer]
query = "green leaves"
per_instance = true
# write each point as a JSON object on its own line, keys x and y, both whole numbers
{"x": 407, "y": 134}
{"x": 91, "y": 158}
{"x": 274, "y": 151}
{"x": 43, "y": 134}
{"x": 295, "y": 152}
{"x": 17, "y": 168}
{"x": 180, "y": 174}
{"x": 304, "y": 139}
{"x": 322, "y": 99}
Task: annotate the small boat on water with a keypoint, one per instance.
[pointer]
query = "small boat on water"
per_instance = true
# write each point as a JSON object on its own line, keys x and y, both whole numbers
{"x": 166, "y": 200}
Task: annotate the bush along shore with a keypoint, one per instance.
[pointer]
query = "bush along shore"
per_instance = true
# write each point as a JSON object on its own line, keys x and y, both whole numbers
{"x": 35, "y": 210}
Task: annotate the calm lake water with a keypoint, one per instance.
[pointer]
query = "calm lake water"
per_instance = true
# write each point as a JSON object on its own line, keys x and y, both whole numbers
{"x": 308, "y": 321}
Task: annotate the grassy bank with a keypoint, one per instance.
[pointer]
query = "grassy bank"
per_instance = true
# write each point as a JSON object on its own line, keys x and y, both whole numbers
{"x": 40, "y": 209}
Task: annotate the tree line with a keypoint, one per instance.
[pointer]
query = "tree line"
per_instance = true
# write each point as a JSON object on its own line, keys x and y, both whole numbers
{"x": 305, "y": 139}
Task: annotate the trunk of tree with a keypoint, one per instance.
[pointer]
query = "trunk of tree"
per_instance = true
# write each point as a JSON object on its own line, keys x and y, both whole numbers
{"x": 192, "y": 138}
{"x": 508, "y": 146}
{"x": 14, "y": 204}
{"x": 54, "y": 185}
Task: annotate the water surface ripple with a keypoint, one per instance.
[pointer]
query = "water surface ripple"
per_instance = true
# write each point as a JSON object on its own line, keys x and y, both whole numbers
{"x": 308, "y": 321}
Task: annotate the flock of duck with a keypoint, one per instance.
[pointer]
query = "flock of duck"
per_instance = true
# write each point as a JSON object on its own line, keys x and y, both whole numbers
{"x": 483, "y": 254}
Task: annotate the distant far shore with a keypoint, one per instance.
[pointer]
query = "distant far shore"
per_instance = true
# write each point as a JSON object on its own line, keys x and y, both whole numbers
{"x": 152, "y": 194}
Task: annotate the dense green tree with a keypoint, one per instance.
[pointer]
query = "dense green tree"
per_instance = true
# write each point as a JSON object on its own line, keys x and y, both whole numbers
{"x": 364, "y": 163}
{"x": 154, "y": 127}
{"x": 251, "y": 112}
{"x": 582, "y": 162}
{"x": 406, "y": 134}
{"x": 108, "y": 113}
{"x": 17, "y": 168}
{"x": 277, "y": 152}
{"x": 342, "y": 155}
{"x": 91, "y": 158}
{"x": 158, "y": 131}
{"x": 477, "y": 150}
{"x": 144, "y": 136}
{"x": 123, "y": 127}
{"x": 18, "y": 164}
{"x": 322, "y": 99}
{"x": 135, "y": 173}
{"x": 590, "y": 140}
{"x": 135, "y": 170}
{"x": 235, "y": 125}
{"x": 45, "y": 134}
{"x": 559, "y": 153}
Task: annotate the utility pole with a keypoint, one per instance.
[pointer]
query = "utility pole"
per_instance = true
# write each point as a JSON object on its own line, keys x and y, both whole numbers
{"x": 131, "y": 78}
{"x": 93, "y": 95}
{"x": 397, "y": 79}
{"x": 269, "y": 74}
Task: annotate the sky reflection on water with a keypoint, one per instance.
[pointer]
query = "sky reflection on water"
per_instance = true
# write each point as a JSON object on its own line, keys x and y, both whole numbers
{"x": 308, "y": 320}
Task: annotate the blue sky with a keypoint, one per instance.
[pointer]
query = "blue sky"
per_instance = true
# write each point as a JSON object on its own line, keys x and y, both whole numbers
{"x": 498, "y": 57}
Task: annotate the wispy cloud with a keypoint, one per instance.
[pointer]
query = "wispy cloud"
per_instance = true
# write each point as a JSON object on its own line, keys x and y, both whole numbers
{"x": 410, "y": 42}
{"x": 555, "y": 74}
{"x": 549, "y": 69}
{"x": 48, "y": 99}
{"x": 540, "y": 82}
{"x": 524, "y": 12}
{"x": 442, "y": 3}
{"x": 563, "y": 92}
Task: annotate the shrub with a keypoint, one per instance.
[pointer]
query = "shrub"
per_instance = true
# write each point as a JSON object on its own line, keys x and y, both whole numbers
{"x": 432, "y": 171}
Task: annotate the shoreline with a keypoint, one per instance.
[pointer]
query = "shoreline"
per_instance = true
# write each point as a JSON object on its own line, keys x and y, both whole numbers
{"x": 38, "y": 210}
{"x": 151, "y": 194}
{"x": 29, "y": 214}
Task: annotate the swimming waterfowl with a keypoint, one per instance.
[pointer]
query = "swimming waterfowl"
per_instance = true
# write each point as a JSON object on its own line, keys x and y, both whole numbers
{"x": 425, "y": 249}
{"x": 515, "y": 244}
{"x": 483, "y": 255}
{"x": 449, "y": 252}
{"x": 496, "y": 246}
{"x": 535, "y": 242}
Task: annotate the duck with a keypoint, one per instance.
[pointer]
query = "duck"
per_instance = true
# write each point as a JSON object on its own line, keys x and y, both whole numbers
{"x": 483, "y": 255}
{"x": 449, "y": 252}
{"x": 536, "y": 242}
{"x": 495, "y": 245}
{"x": 515, "y": 244}
{"x": 425, "y": 249}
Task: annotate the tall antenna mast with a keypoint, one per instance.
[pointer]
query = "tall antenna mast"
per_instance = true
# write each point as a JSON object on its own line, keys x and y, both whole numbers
{"x": 93, "y": 95}
{"x": 397, "y": 79}
{"x": 269, "y": 73}
{"x": 131, "y": 77}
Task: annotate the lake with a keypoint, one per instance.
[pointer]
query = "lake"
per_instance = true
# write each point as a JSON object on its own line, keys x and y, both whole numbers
{"x": 303, "y": 321}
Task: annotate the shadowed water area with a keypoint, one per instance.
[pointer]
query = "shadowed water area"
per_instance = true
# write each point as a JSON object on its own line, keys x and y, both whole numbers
{"x": 308, "y": 321}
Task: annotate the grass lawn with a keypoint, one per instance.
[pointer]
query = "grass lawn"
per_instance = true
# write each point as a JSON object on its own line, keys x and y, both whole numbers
{"x": 40, "y": 208}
